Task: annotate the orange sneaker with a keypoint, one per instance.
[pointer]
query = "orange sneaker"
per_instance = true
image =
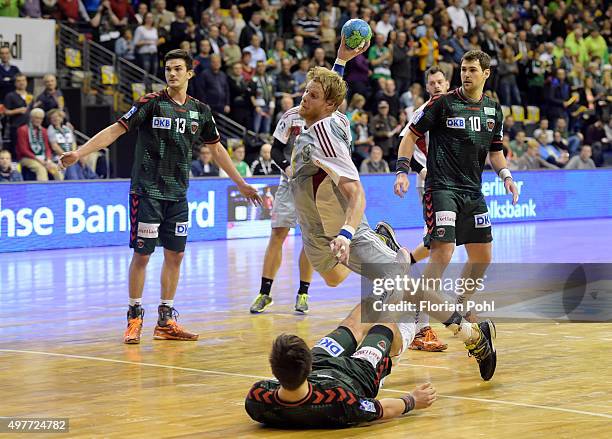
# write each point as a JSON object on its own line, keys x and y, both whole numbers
{"x": 427, "y": 340}
{"x": 171, "y": 330}
{"x": 134, "y": 327}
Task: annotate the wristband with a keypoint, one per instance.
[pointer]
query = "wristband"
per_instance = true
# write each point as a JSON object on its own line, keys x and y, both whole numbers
{"x": 403, "y": 165}
{"x": 338, "y": 67}
{"x": 504, "y": 173}
{"x": 410, "y": 403}
{"x": 347, "y": 231}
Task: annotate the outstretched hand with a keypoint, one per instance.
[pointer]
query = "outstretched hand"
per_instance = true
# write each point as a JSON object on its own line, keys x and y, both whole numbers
{"x": 511, "y": 189}
{"x": 251, "y": 193}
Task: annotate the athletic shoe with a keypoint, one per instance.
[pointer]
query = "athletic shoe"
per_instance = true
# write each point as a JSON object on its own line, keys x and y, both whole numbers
{"x": 301, "y": 303}
{"x": 168, "y": 329}
{"x": 134, "y": 327}
{"x": 427, "y": 340}
{"x": 484, "y": 349}
{"x": 386, "y": 233}
{"x": 261, "y": 302}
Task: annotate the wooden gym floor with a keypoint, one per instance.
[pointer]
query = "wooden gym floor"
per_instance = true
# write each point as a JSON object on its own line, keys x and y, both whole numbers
{"x": 61, "y": 355}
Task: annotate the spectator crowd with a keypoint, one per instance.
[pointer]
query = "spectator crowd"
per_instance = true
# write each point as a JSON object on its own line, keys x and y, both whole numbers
{"x": 550, "y": 70}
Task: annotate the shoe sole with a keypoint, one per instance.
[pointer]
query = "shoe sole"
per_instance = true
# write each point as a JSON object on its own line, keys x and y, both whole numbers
{"x": 300, "y": 311}
{"x": 419, "y": 348}
{"x": 159, "y": 337}
{"x": 131, "y": 341}
{"x": 261, "y": 310}
{"x": 390, "y": 232}
{"x": 492, "y": 334}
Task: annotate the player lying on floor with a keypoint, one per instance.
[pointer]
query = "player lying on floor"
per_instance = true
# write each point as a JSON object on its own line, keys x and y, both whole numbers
{"x": 335, "y": 383}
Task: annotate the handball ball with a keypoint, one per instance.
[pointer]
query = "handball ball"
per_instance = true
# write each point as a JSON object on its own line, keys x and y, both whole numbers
{"x": 356, "y": 33}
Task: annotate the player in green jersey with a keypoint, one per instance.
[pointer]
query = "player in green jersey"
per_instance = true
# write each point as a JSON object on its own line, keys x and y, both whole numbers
{"x": 464, "y": 127}
{"x": 169, "y": 123}
{"x": 335, "y": 383}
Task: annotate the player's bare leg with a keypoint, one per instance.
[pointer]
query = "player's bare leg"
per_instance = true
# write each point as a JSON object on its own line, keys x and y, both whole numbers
{"x": 420, "y": 253}
{"x": 478, "y": 338}
{"x": 274, "y": 252}
{"x": 479, "y": 258}
{"x": 138, "y": 267}
{"x": 306, "y": 270}
{"x": 167, "y": 328}
{"x": 272, "y": 262}
{"x": 336, "y": 275}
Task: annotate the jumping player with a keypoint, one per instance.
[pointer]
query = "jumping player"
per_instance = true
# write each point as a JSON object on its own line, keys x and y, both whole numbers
{"x": 330, "y": 204}
{"x": 335, "y": 384}
{"x": 425, "y": 339}
{"x": 284, "y": 216}
{"x": 170, "y": 123}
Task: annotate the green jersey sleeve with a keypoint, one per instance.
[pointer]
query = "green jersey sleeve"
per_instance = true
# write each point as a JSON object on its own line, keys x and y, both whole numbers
{"x": 141, "y": 110}
{"x": 498, "y": 133}
{"x": 429, "y": 118}
{"x": 209, "y": 133}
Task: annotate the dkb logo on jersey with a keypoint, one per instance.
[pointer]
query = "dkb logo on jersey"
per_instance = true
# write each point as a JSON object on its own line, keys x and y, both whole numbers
{"x": 181, "y": 229}
{"x": 330, "y": 345}
{"x": 163, "y": 123}
{"x": 482, "y": 220}
{"x": 455, "y": 122}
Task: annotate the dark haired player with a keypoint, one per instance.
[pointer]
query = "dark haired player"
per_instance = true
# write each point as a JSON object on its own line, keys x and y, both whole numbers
{"x": 170, "y": 123}
{"x": 335, "y": 383}
{"x": 464, "y": 127}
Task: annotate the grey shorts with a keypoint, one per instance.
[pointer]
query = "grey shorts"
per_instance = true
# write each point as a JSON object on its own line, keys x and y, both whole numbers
{"x": 366, "y": 248}
{"x": 283, "y": 211}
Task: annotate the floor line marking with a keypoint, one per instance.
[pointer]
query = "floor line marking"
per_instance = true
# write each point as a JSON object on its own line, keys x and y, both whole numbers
{"x": 215, "y": 372}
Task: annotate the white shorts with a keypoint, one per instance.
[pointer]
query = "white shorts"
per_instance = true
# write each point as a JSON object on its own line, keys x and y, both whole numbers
{"x": 283, "y": 211}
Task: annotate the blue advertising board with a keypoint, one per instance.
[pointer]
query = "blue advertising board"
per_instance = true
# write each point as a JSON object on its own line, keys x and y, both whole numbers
{"x": 35, "y": 216}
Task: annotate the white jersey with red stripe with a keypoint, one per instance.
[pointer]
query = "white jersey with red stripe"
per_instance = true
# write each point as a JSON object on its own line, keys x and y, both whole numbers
{"x": 291, "y": 125}
{"x": 422, "y": 143}
{"x": 321, "y": 157}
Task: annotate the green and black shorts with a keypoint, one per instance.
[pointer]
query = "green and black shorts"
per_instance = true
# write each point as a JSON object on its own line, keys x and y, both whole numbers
{"x": 456, "y": 216}
{"x": 158, "y": 222}
{"x": 362, "y": 369}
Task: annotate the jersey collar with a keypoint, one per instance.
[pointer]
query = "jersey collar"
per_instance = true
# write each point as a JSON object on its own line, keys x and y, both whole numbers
{"x": 296, "y": 403}
{"x": 464, "y": 98}
{"x": 165, "y": 92}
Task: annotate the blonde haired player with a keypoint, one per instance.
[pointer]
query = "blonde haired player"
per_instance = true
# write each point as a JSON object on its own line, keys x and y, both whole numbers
{"x": 330, "y": 204}
{"x": 284, "y": 216}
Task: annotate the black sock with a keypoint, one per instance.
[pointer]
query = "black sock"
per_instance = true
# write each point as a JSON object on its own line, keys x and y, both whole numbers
{"x": 303, "y": 287}
{"x": 412, "y": 260}
{"x": 266, "y": 286}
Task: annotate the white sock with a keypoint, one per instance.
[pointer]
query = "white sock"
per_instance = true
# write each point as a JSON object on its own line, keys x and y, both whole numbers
{"x": 166, "y": 302}
{"x": 465, "y": 331}
{"x": 134, "y": 302}
{"x": 408, "y": 331}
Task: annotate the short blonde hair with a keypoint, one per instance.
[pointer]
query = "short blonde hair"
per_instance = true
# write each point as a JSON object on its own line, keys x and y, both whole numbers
{"x": 334, "y": 87}
{"x": 38, "y": 112}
